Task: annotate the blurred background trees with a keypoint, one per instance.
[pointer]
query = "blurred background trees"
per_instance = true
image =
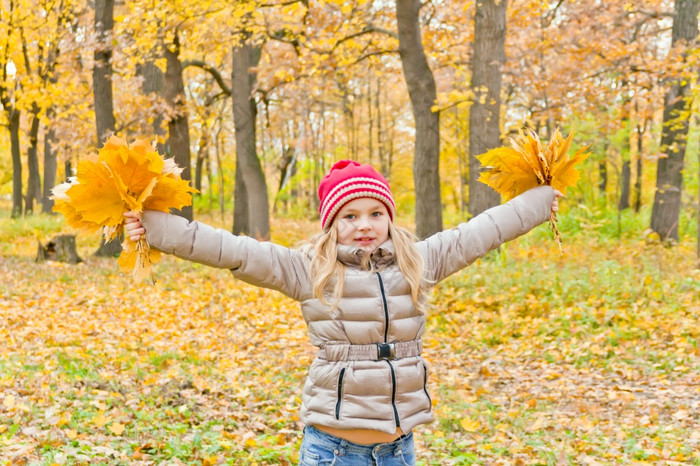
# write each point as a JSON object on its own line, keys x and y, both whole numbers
{"x": 257, "y": 98}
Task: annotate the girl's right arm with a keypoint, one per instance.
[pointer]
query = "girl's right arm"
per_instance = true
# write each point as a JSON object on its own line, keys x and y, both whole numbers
{"x": 259, "y": 263}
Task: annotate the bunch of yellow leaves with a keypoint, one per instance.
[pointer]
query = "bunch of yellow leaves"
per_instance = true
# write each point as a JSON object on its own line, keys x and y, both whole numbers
{"x": 513, "y": 170}
{"x": 122, "y": 178}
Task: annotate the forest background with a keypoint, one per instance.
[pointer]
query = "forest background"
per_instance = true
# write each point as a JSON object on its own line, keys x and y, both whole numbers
{"x": 256, "y": 100}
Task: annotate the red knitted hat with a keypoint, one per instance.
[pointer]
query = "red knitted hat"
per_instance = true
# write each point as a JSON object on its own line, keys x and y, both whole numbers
{"x": 348, "y": 180}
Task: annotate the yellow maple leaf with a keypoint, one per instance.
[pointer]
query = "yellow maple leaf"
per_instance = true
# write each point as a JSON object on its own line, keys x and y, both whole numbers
{"x": 511, "y": 171}
{"x": 469, "y": 425}
{"x": 100, "y": 420}
{"x": 96, "y": 195}
{"x": 169, "y": 193}
{"x": 116, "y": 428}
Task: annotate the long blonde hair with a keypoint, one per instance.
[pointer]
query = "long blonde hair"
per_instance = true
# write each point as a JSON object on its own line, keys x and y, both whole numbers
{"x": 326, "y": 269}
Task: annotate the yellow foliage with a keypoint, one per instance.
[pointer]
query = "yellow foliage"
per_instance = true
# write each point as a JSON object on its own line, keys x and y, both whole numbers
{"x": 514, "y": 170}
{"x": 122, "y": 178}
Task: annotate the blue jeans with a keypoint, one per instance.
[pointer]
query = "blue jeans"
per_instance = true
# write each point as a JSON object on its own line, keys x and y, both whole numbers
{"x": 320, "y": 448}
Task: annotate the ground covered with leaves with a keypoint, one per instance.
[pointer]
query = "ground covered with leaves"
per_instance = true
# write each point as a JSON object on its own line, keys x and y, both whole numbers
{"x": 591, "y": 358}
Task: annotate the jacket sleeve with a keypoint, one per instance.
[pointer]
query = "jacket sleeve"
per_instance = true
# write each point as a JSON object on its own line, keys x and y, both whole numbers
{"x": 451, "y": 250}
{"x": 259, "y": 263}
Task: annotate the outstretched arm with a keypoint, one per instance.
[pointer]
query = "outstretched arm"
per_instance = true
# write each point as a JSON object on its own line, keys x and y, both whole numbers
{"x": 259, "y": 263}
{"x": 451, "y": 250}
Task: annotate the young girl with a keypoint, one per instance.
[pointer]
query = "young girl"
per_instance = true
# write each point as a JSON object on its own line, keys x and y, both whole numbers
{"x": 362, "y": 285}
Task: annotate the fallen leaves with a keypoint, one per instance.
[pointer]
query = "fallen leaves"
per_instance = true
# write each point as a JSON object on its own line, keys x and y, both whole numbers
{"x": 580, "y": 364}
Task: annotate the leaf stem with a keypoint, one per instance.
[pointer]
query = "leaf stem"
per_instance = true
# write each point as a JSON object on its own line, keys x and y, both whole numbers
{"x": 555, "y": 229}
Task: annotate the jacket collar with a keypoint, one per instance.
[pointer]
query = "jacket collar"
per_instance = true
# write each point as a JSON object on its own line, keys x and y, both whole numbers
{"x": 352, "y": 256}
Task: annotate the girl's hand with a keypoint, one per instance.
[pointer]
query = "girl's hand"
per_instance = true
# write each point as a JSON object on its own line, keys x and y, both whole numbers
{"x": 132, "y": 226}
{"x": 555, "y": 202}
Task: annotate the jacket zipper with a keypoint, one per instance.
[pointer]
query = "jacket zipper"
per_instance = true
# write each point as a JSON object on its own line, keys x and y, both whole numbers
{"x": 386, "y": 307}
{"x": 425, "y": 387}
{"x": 386, "y": 333}
{"x": 340, "y": 393}
{"x": 393, "y": 394}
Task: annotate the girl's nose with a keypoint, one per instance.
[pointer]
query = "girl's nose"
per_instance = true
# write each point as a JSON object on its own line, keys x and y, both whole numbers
{"x": 363, "y": 223}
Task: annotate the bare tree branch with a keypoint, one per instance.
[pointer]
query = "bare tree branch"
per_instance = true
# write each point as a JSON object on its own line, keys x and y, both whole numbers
{"x": 212, "y": 71}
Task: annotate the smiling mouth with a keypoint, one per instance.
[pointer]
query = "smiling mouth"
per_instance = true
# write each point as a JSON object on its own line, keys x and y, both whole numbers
{"x": 364, "y": 240}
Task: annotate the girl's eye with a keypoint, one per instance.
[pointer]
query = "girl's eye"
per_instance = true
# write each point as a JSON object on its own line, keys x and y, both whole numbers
{"x": 376, "y": 214}
{"x": 349, "y": 216}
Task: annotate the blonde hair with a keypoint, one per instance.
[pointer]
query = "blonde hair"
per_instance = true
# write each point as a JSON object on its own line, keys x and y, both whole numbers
{"x": 327, "y": 270}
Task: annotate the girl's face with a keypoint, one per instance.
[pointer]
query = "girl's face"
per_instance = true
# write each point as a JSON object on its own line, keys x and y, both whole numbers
{"x": 363, "y": 223}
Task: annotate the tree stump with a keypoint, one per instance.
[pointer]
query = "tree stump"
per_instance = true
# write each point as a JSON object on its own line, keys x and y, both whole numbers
{"x": 61, "y": 248}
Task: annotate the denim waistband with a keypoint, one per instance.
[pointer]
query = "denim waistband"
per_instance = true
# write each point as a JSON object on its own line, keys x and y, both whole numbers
{"x": 343, "y": 446}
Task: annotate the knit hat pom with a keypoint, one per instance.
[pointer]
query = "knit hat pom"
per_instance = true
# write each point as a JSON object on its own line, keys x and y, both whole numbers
{"x": 348, "y": 180}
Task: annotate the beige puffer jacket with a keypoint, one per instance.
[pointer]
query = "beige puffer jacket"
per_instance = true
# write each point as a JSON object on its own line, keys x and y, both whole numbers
{"x": 357, "y": 382}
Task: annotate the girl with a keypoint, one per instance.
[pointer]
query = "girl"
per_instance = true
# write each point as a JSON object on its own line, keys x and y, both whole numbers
{"x": 362, "y": 284}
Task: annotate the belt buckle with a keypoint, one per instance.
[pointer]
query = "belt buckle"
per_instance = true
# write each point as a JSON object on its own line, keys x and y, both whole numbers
{"x": 385, "y": 351}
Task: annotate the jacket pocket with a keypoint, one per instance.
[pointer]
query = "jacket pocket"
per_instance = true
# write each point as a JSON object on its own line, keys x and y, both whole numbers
{"x": 425, "y": 387}
{"x": 340, "y": 393}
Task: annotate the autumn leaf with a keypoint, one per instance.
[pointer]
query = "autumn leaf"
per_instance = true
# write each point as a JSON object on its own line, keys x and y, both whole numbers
{"x": 511, "y": 171}
{"x": 100, "y": 420}
{"x": 469, "y": 425}
{"x": 116, "y": 428}
{"x": 122, "y": 178}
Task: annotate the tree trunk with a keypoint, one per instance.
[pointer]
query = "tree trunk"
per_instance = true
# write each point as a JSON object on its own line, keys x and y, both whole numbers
{"x": 638, "y": 181}
{"x": 178, "y": 127}
{"x": 249, "y": 175}
{"x": 34, "y": 180}
{"x": 624, "y": 202}
{"x": 287, "y": 164}
{"x": 241, "y": 219}
{"x": 50, "y": 167}
{"x": 665, "y": 213}
{"x": 421, "y": 89}
{"x": 102, "y": 91}
{"x": 384, "y": 163}
{"x": 626, "y": 175}
{"x": 202, "y": 157}
{"x": 102, "y": 70}
{"x": 153, "y": 84}
{"x": 484, "y": 115}
{"x": 603, "y": 181}
{"x": 13, "y": 125}
{"x": 463, "y": 180}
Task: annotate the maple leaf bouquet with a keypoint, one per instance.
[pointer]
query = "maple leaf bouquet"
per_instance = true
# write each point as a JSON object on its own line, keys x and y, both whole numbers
{"x": 118, "y": 179}
{"x": 511, "y": 171}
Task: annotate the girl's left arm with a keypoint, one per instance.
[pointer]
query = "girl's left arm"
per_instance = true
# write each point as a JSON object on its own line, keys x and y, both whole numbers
{"x": 451, "y": 250}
